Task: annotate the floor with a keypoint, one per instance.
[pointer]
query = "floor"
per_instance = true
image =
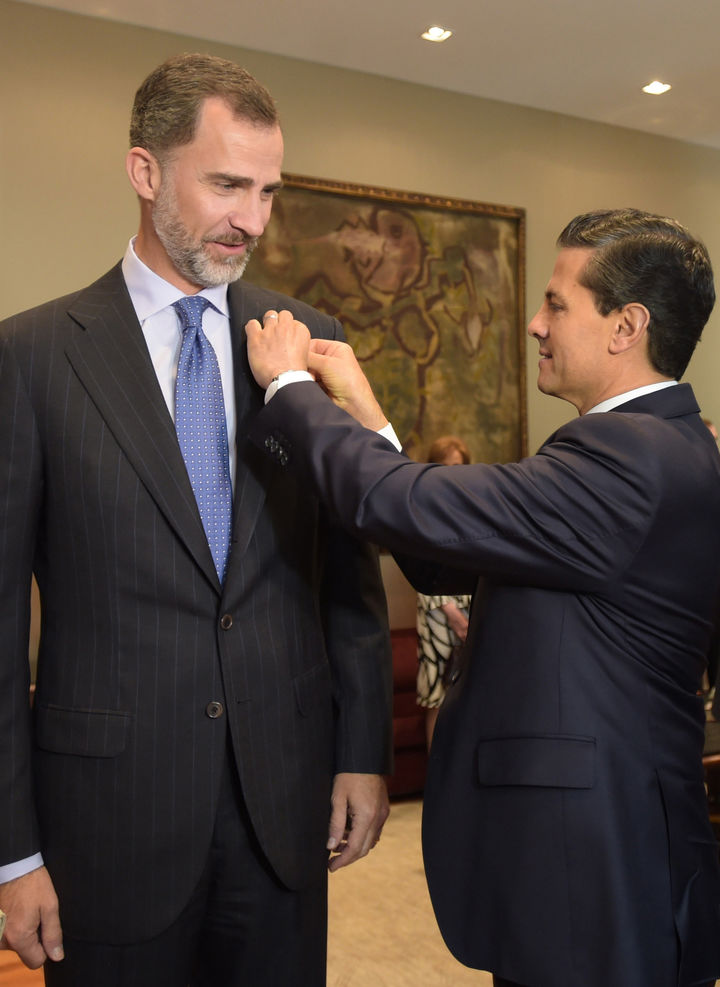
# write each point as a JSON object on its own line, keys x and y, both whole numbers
{"x": 382, "y": 927}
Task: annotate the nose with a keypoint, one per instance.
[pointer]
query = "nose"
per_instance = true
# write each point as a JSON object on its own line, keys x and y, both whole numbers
{"x": 535, "y": 326}
{"x": 251, "y": 216}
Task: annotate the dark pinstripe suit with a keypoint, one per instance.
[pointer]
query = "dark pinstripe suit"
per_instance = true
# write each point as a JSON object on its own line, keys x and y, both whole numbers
{"x": 138, "y": 637}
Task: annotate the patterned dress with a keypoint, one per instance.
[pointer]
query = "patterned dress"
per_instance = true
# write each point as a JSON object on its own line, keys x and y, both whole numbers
{"x": 436, "y": 641}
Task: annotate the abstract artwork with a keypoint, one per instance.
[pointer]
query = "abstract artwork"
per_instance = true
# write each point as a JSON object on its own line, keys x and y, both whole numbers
{"x": 430, "y": 293}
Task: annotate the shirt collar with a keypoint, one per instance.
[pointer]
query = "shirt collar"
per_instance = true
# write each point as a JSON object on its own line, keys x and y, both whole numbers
{"x": 637, "y": 392}
{"x": 150, "y": 293}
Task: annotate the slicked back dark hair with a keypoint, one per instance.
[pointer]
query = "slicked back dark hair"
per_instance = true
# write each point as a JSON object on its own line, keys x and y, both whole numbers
{"x": 653, "y": 260}
{"x": 168, "y": 103}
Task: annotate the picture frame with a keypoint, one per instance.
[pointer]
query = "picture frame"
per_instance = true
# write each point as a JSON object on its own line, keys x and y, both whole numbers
{"x": 430, "y": 293}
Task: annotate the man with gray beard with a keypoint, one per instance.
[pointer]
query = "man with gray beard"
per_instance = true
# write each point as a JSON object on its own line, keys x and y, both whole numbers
{"x": 212, "y": 714}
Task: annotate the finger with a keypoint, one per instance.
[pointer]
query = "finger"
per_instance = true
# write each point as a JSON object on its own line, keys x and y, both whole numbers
{"x": 329, "y": 347}
{"x": 51, "y": 934}
{"x": 298, "y": 328}
{"x": 338, "y": 860}
{"x": 360, "y": 835}
{"x": 367, "y": 839}
{"x": 30, "y": 950}
{"x": 270, "y": 314}
{"x": 338, "y": 824}
{"x": 316, "y": 363}
{"x": 352, "y": 849}
{"x": 321, "y": 346}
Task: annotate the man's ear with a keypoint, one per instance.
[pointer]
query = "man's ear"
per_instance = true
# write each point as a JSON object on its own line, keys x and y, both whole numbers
{"x": 144, "y": 172}
{"x": 630, "y": 327}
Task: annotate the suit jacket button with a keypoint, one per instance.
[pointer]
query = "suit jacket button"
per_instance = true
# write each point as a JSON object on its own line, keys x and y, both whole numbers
{"x": 214, "y": 710}
{"x": 226, "y": 621}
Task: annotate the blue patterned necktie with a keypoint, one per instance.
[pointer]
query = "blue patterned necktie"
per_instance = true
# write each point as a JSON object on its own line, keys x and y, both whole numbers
{"x": 202, "y": 429}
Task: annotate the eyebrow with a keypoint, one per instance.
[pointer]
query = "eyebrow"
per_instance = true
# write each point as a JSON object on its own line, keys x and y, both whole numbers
{"x": 240, "y": 181}
{"x": 553, "y": 296}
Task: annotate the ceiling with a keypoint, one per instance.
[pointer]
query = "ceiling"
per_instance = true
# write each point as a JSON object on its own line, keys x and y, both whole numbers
{"x": 586, "y": 58}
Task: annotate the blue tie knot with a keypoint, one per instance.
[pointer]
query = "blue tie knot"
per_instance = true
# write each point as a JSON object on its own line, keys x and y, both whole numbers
{"x": 191, "y": 310}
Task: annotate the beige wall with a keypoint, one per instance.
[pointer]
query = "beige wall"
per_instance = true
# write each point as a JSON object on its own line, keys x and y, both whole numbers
{"x": 66, "y": 212}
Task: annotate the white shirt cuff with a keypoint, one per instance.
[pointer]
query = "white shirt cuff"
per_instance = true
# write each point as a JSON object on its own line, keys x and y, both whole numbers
{"x": 9, "y": 872}
{"x": 388, "y": 432}
{"x": 286, "y": 377}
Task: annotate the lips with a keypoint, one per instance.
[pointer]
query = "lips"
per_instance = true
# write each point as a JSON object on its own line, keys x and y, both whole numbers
{"x": 230, "y": 244}
{"x": 233, "y": 245}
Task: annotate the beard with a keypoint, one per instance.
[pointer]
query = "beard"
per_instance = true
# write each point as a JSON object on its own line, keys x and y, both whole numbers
{"x": 189, "y": 256}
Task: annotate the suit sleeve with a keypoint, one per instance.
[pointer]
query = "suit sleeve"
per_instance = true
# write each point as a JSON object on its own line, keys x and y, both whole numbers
{"x": 357, "y": 638}
{"x": 20, "y": 494}
{"x": 570, "y": 517}
{"x": 358, "y": 644}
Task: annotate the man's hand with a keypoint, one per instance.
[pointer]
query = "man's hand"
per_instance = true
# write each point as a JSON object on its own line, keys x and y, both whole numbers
{"x": 334, "y": 366}
{"x": 359, "y": 809}
{"x": 280, "y": 344}
{"x": 33, "y": 921}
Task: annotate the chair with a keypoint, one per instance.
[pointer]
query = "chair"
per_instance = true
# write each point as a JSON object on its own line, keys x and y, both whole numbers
{"x": 409, "y": 742}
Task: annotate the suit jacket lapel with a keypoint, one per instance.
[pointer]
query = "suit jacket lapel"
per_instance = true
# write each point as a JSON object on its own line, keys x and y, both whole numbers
{"x": 253, "y": 472}
{"x": 112, "y": 361}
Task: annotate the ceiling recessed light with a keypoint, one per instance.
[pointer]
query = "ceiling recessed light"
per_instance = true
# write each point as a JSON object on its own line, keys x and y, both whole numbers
{"x": 657, "y": 88}
{"x": 436, "y": 34}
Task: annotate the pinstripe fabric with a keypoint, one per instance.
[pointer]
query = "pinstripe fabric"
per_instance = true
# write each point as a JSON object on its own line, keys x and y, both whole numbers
{"x": 95, "y": 497}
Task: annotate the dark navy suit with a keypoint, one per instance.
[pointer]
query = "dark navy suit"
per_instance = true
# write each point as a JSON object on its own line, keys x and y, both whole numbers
{"x": 566, "y": 832}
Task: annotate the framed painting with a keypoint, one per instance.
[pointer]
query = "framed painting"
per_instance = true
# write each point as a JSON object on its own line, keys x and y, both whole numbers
{"x": 430, "y": 293}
